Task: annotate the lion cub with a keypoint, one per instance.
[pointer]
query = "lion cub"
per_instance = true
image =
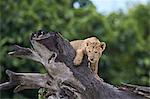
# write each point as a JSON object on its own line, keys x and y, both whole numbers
{"x": 91, "y": 47}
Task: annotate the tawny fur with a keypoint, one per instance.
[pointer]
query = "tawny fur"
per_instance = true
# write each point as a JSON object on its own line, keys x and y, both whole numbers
{"x": 91, "y": 47}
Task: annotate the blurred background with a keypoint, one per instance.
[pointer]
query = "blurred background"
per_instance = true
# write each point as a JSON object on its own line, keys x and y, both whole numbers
{"x": 123, "y": 24}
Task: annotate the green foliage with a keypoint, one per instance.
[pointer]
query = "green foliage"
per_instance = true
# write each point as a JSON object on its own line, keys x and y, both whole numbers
{"x": 128, "y": 44}
{"x": 42, "y": 93}
{"x": 127, "y": 35}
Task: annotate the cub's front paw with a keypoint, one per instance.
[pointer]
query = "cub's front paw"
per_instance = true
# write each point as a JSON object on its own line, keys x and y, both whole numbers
{"x": 98, "y": 78}
{"x": 77, "y": 61}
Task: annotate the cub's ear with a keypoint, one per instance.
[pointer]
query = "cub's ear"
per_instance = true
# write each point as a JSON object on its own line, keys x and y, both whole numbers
{"x": 103, "y": 46}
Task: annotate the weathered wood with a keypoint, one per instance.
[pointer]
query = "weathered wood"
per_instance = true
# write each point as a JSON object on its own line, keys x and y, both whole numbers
{"x": 69, "y": 81}
{"x": 26, "y": 81}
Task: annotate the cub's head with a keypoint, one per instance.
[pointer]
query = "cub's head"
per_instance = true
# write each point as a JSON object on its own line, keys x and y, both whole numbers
{"x": 94, "y": 50}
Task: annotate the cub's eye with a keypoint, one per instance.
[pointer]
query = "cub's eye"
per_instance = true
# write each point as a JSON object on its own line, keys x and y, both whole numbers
{"x": 89, "y": 51}
{"x": 95, "y": 52}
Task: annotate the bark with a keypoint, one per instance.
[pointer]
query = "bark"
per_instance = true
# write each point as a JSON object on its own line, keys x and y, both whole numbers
{"x": 64, "y": 80}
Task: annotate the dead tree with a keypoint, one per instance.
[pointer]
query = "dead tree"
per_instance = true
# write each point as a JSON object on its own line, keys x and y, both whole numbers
{"x": 63, "y": 80}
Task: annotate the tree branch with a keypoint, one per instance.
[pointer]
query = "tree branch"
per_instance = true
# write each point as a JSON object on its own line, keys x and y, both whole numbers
{"x": 26, "y": 81}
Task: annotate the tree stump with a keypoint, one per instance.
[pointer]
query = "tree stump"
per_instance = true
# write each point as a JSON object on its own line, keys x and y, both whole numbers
{"x": 63, "y": 79}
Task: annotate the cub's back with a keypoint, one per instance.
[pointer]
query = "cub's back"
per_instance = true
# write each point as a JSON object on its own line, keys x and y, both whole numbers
{"x": 77, "y": 44}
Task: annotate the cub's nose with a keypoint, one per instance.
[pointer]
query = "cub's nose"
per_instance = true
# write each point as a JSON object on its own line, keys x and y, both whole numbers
{"x": 91, "y": 59}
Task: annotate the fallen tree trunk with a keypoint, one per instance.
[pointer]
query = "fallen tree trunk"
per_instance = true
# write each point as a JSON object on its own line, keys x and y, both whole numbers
{"x": 63, "y": 79}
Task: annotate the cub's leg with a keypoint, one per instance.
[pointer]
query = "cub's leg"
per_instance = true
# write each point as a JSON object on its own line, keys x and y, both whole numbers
{"x": 92, "y": 66}
{"x": 96, "y": 67}
{"x": 78, "y": 57}
{"x": 96, "y": 72}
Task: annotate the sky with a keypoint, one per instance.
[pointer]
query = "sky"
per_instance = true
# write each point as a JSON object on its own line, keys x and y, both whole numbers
{"x": 107, "y": 6}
